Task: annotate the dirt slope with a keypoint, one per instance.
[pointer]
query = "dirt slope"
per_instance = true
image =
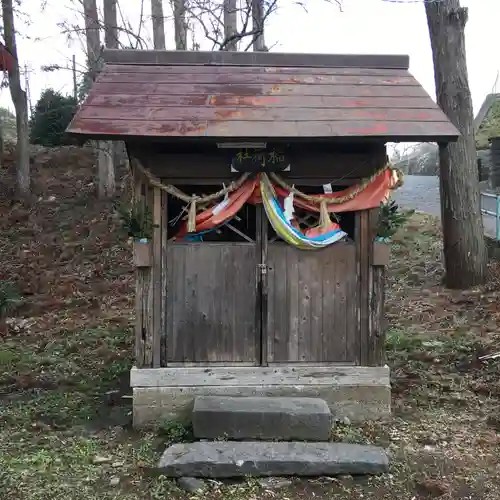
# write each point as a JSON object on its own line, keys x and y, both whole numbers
{"x": 65, "y": 251}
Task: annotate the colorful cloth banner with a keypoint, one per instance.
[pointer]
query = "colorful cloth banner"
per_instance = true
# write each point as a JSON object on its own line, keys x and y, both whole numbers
{"x": 368, "y": 194}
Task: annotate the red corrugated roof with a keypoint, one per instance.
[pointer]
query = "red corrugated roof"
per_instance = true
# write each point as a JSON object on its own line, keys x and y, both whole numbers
{"x": 259, "y": 95}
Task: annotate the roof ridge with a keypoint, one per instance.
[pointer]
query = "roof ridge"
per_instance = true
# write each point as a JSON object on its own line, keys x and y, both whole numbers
{"x": 276, "y": 59}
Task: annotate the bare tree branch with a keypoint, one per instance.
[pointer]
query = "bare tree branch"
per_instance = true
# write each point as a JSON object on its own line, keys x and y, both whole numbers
{"x": 209, "y": 16}
{"x": 74, "y": 30}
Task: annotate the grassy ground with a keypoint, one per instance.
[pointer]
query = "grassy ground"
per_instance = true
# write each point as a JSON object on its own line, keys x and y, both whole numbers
{"x": 63, "y": 436}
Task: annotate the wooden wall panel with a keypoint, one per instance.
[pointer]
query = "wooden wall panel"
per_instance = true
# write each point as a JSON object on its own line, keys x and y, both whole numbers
{"x": 312, "y": 304}
{"x": 211, "y": 303}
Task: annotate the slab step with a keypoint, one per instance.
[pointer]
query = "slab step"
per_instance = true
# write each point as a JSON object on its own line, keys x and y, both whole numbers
{"x": 226, "y": 459}
{"x": 261, "y": 418}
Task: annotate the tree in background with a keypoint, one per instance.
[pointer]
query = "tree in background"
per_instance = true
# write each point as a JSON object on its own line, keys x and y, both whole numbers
{"x": 465, "y": 254}
{"x": 109, "y": 151}
{"x": 258, "y": 17}
{"x": 105, "y": 157}
{"x": 20, "y": 103}
{"x": 158, "y": 20}
{"x": 225, "y": 23}
{"x": 230, "y": 25}
{"x": 51, "y": 116}
{"x": 180, "y": 27}
{"x": 158, "y": 23}
{"x": 233, "y": 24}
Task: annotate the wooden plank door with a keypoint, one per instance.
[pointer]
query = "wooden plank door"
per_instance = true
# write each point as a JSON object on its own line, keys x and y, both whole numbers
{"x": 311, "y": 307}
{"x": 212, "y": 303}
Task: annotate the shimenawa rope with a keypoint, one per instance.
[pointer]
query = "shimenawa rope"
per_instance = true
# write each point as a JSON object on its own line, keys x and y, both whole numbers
{"x": 325, "y": 220}
{"x": 193, "y": 200}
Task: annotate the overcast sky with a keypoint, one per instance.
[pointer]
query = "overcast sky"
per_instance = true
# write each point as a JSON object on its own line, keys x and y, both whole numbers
{"x": 363, "y": 26}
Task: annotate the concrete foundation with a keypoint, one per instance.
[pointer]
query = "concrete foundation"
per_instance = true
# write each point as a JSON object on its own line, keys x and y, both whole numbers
{"x": 356, "y": 392}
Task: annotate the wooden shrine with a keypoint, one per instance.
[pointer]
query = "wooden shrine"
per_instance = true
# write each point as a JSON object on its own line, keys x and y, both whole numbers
{"x": 250, "y": 303}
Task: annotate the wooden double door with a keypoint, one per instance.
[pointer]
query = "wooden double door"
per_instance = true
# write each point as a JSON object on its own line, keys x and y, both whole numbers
{"x": 255, "y": 303}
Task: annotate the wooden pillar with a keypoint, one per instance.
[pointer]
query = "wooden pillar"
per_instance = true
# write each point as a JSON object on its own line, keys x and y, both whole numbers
{"x": 141, "y": 286}
{"x": 150, "y": 291}
{"x": 376, "y": 303}
{"x": 363, "y": 259}
{"x": 371, "y": 292}
{"x": 147, "y": 296}
{"x": 376, "y": 345}
{"x": 157, "y": 276}
{"x": 164, "y": 264}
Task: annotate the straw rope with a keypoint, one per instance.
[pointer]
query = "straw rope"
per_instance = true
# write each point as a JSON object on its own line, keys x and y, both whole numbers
{"x": 324, "y": 219}
{"x": 193, "y": 200}
{"x": 320, "y": 199}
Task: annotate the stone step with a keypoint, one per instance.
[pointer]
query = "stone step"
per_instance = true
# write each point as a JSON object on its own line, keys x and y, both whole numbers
{"x": 226, "y": 459}
{"x": 261, "y": 418}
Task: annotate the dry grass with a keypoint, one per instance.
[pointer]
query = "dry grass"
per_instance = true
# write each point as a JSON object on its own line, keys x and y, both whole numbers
{"x": 61, "y": 438}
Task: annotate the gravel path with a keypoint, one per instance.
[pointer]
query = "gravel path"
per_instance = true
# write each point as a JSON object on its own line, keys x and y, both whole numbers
{"x": 422, "y": 193}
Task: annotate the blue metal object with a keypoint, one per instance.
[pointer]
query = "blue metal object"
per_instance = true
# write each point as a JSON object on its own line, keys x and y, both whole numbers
{"x": 193, "y": 237}
{"x": 495, "y": 214}
{"x": 497, "y": 227}
{"x": 199, "y": 236}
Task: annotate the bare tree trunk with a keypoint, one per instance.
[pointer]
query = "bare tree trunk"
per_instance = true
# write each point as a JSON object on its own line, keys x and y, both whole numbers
{"x": 465, "y": 254}
{"x": 106, "y": 169}
{"x": 2, "y": 140}
{"x": 180, "y": 24}
{"x": 111, "y": 153}
{"x": 110, "y": 24}
{"x": 230, "y": 25}
{"x": 158, "y": 24}
{"x": 75, "y": 83}
{"x": 105, "y": 149}
{"x": 258, "y": 25}
{"x": 20, "y": 103}
{"x": 92, "y": 37}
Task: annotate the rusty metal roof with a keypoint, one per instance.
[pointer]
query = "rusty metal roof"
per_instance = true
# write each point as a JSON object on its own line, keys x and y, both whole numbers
{"x": 258, "y": 95}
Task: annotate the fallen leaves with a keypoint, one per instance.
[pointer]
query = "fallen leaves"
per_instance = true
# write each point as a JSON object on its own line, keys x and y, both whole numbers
{"x": 63, "y": 254}
{"x": 433, "y": 488}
